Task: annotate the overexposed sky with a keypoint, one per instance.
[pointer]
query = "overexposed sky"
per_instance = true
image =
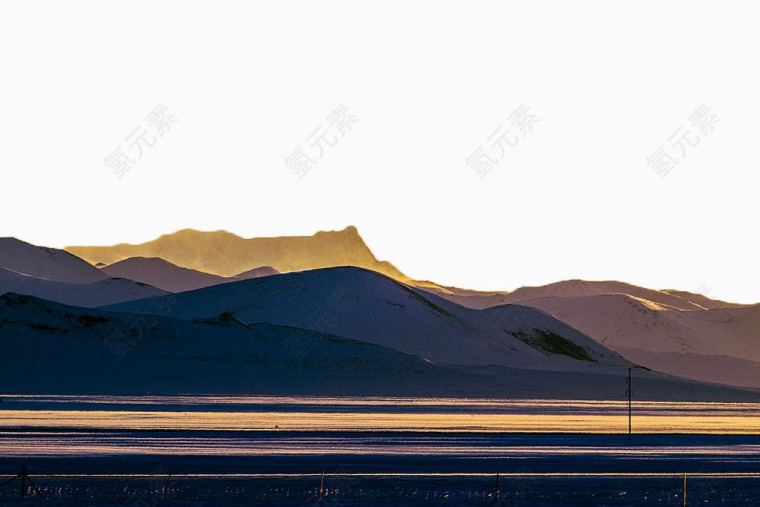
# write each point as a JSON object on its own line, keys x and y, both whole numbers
{"x": 605, "y": 84}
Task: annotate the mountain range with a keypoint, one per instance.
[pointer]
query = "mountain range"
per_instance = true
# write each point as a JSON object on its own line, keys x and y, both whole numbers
{"x": 225, "y": 254}
{"x": 214, "y": 312}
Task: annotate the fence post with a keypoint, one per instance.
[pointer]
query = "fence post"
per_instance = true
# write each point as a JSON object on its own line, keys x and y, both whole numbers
{"x": 496, "y": 495}
{"x": 23, "y": 481}
{"x": 684, "y": 490}
{"x": 321, "y": 486}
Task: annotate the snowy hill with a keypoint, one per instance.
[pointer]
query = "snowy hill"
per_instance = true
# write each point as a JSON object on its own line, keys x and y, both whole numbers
{"x": 50, "y": 348}
{"x": 48, "y": 263}
{"x": 135, "y": 353}
{"x": 578, "y": 288}
{"x": 720, "y": 345}
{"x": 367, "y": 306}
{"x": 675, "y": 332}
{"x": 89, "y": 295}
{"x": 172, "y": 278}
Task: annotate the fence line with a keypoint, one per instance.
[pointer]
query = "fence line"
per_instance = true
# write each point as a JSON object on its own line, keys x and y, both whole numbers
{"x": 326, "y": 484}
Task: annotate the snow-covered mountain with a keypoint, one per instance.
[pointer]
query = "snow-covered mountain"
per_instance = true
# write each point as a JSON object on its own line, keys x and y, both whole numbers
{"x": 59, "y": 276}
{"x": 50, "y": 348}
{"x": 88, "y": 295}
{"x": 48, "y": 263}
{"x": 579, "y": 288}
{"x": 675, "y": 332}
{"x": 370, "y": 307}
{"x": 571, "y": 326}
{"x": 720, "y": 345}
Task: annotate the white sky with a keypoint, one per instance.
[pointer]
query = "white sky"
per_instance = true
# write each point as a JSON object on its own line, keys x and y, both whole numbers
{"x": 610, "y": 82}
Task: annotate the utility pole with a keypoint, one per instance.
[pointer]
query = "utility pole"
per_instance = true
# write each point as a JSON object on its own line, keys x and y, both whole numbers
{"x": 166, "y": 484}
{"x": 629, "y": 392}
{"x": 24, "y": 479}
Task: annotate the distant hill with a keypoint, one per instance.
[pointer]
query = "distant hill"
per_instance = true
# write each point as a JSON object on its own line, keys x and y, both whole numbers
{"x": 224, "y": 254}
{"x": 172, "y": 278}
{"x": 720, "y": 345}
{"x": 577, "y": 288}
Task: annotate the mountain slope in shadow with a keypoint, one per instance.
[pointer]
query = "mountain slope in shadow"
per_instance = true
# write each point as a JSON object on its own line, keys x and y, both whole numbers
{"x": 57, "y": 349}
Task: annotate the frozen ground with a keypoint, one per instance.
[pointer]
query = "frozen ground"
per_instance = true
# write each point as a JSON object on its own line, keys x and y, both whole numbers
{"x": 176, "y": 463}
{"x": 416, "y": 490}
